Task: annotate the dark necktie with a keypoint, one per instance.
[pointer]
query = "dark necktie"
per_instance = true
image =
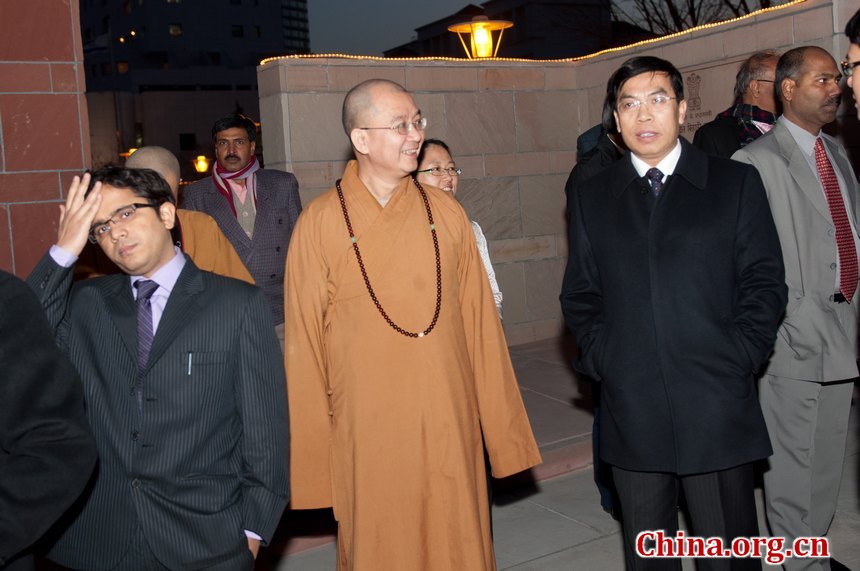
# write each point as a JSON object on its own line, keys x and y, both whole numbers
{"x": 844, "y": 237}
{"x": 655, "y": 178}
{"x": 145, "y": 289}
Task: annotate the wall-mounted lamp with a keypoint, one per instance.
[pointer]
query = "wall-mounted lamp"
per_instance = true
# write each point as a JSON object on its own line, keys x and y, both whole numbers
{"x": 128, "y": 153}
{"x": 480, "y": 31}
{"x": 201, "y": 164}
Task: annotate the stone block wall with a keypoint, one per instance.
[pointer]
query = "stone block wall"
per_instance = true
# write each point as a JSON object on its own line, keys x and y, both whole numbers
{"x": 512, "y": 128}
{"x": 44, "y": 138}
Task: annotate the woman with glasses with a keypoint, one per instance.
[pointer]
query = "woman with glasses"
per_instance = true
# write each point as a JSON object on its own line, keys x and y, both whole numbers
{"x": 436, "y": 168}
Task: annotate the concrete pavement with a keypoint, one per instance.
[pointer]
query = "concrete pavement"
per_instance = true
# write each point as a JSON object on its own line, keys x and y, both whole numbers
{"x": 555, "y": 522}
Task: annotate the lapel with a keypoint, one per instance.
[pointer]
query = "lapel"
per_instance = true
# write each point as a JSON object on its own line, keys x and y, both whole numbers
{"x": 122, "y": 310}
{"x": 624, "y": 177}
{"x": 183, "y": 304}
{"x": 843, "y": 166}
{"x": 692, "y": 166}
{"x": 264, "y": 210}
{"x": 799, "y": 169}
{"x": 220, "y": 210}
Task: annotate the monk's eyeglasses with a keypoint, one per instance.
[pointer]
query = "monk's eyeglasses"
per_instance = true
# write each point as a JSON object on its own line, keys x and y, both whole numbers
{"x": 404, "y": 128}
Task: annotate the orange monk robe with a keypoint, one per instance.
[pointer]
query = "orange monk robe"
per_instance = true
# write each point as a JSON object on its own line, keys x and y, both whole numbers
{"x": 388, "y": 429}
{"x": 210, "y": 249}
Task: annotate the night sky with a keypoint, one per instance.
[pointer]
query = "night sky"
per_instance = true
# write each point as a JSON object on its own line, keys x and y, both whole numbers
{"x": 367, "y": 27}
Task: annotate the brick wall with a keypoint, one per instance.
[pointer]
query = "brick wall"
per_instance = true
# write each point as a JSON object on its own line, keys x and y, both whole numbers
{"x": 512, "y": 128}
{"x": 44, "y": 137}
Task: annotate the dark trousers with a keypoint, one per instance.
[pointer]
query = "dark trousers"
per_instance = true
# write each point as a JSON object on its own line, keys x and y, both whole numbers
{"x": 720, "y": 504}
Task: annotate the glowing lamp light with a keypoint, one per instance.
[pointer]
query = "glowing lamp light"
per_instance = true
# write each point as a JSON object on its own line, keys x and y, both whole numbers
{"x": 480, "y": 30}
{"x": 201, "y": 164}
{"x": 128, "y": 153}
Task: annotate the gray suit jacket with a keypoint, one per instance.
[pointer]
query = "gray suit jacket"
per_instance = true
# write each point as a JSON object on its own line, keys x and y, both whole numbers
{"x": 265, "y": 254}
{"x": 817, "y": 339}
{"x": 208, "y": 456}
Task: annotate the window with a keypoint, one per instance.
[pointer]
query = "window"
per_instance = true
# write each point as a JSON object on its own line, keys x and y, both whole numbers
{"x": 187, "y": 142}
{"x": 122, "y": 67}
{"x": 238, "y": 31}
{"x": 175, "y": 30}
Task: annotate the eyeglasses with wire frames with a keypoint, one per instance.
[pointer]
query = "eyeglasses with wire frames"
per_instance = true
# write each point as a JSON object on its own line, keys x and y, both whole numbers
{"x": 404, "y": 128}
{"x": 848, "y": 67}
{"x": 121, "y": 216}
{"x": 655, "y": 102}
{"x": 441, "y": 171}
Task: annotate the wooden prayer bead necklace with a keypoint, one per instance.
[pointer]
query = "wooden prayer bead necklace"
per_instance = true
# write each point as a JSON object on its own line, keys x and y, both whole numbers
{"x": 364, "y": 271}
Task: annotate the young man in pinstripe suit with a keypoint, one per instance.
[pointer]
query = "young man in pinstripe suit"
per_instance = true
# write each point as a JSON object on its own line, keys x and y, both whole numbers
{"x": 184, "y": 387}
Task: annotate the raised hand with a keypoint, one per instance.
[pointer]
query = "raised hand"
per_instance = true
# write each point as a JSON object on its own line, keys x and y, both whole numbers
{"x": 78, "y": 214}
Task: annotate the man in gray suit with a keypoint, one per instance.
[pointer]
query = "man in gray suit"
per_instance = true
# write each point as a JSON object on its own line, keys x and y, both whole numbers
{"x": 255, "y": 208}
{"x": 806, "y": 391}
{"x": 184, "y": 388}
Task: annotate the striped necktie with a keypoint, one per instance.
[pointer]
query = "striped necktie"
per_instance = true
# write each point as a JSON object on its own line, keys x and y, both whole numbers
{"x": 145, "y": 334}
{"x": 844, "y": 237}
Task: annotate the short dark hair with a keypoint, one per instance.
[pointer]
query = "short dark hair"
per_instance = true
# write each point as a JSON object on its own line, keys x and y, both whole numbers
{"x": 145, "y": 183}
{"x": 437, "y": 142}
{"x": 752, "y": 68}
{"x": 852, "y": 29}
{"x": 235, "y": 121}
{"x": 790, "y": 66}
{"x": 638, "y": 65}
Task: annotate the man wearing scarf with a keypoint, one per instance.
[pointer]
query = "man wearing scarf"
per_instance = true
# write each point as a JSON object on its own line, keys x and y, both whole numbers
{"x": 753, "y": 113}
{"x": 255, "y": 208}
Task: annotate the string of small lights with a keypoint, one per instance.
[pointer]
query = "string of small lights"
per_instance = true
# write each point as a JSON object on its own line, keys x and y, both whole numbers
{"x": 524, "y": 60}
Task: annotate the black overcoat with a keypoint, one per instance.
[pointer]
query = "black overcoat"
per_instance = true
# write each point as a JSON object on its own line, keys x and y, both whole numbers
{"x": 675, "y": 302}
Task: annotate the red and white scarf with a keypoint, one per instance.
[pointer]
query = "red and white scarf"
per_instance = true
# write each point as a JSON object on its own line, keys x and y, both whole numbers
{"x": 221, "y": 176}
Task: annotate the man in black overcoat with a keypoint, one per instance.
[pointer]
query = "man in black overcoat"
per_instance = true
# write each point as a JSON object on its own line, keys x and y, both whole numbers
{"x": 674, "y": 289}
{"x": 47, "y": 451}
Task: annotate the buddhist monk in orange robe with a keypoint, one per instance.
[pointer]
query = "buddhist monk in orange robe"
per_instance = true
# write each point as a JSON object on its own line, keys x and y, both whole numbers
{"x": 389, "y": 417}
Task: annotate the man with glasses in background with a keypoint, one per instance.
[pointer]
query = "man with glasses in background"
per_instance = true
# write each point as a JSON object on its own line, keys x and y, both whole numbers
{"x": 255, "y": 208}
{"x": 852, "y": 59}
{"x": 753, "y": 113}
{"x": 183, "y": 384}
{"x": 399, "y": 372}
{"x": 674, "y": 288}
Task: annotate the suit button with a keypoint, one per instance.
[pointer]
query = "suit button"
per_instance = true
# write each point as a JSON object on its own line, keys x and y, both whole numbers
{"x": 273, "y": 276}
{"x": 135, "y": 483}
{"x": 134, "y": 435}
{"x": 280, "y": 220}
{"x": 830, "y": 297}
{"x": 831, "y": 232}
{"x": 278, "y": 249}
{"x": 833, "y": 266}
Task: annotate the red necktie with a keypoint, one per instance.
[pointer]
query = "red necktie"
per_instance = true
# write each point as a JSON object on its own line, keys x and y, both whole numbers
{"x": 844, "y": 237}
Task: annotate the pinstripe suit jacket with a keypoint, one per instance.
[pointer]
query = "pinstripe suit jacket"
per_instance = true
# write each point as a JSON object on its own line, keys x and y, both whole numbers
{"x": 264, "y": 254}
{"x": 208, "y": 456}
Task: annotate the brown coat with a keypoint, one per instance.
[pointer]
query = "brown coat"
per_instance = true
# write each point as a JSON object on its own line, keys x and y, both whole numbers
{"x": 204, "y": 242}
{"x": 388, "y": 429}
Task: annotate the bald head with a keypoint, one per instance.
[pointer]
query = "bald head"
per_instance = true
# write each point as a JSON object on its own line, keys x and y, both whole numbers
{"x": 359, "y": 101}
{"x": 161, "y": 161}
